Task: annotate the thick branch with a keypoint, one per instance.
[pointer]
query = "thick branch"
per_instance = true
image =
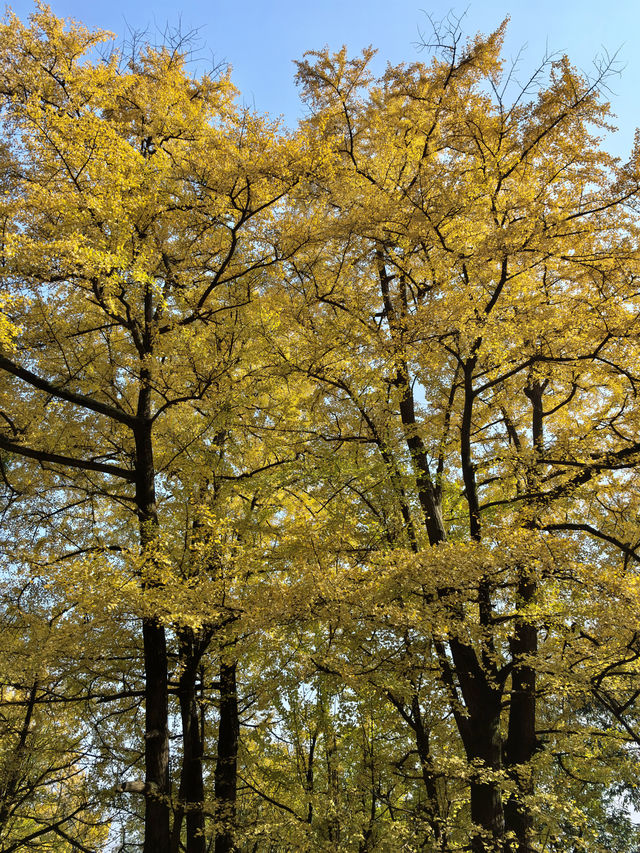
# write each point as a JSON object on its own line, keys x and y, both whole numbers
{"x": 68, "y": 461}
{"x": 62, "y": 394}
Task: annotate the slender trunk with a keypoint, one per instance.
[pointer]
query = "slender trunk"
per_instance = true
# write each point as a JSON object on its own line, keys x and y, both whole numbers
{"x": 425, "y": 487}
{"x": 412, "y": 715}
{"x": 479, "y": 681}
{"x": 423, "y": 747}
{"x": 334, "y": 829}
{"x": 476, "y": 674}
{"x": 468, "y": 468}
{"x": 367, "y": 842}
{"x": 191, "y": 780}
{"x": 310, "y": 775}
{"x": 521, "y": 738}
{"x": 226, "y": 772}
{"x": 156, "y": 752}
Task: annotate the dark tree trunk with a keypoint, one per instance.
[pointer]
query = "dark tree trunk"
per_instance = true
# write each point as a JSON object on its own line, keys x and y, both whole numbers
{"x": 191, "y": 795}
{"x": 9, "y": 785}
{"x": 521, "y": 738}
{"x": 226, "y": 772}
{"x": 310, "y": 775}
{"x": 482, "y": 739}
{"x": 487, "y": 810}
{"x": 428, "y": 776}
{"x": 472, "y": 674}
{"x": 156, "y": 752}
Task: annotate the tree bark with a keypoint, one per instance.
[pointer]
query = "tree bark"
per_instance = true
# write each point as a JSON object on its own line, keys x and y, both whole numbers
{"x": 191, "y": 793}
{"x": 157, "y": 838}
{"x": 423, "y": 747}
{"x": 156, "y": 753}
{"x": 482, "y": 739}
{"x": 476, "y": 673}
{"x": 9, "y": 785}
{"x": 487, "y": 810}
{"x": 521, "y": 738}
{"x": 520, "y": 746}
{"x": 226, "y": 772}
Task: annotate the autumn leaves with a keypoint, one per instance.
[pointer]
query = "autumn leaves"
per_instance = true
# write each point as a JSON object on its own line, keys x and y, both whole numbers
{"x": 324, "y": 442}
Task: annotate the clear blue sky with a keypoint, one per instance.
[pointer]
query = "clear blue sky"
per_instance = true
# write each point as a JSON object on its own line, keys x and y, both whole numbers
{"x": 261, "y": 38}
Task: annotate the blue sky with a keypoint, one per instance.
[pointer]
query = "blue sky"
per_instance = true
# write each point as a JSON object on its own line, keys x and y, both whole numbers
{"x": 261, "y": 39}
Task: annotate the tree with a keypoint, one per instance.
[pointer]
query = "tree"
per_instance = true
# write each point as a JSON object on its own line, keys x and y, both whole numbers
{"x": 469, "y": 316}
{"x": 135, "y": 233}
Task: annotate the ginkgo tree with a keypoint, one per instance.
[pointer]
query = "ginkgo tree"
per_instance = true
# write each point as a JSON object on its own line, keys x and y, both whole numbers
{"x": 469, "y": 312}
{"x": 137, "y": 228}
{"x": 322, "y": 447}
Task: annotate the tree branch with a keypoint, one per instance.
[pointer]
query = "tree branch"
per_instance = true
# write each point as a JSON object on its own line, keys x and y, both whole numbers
{"x": 70, "y": 461}
{"x": 70, "y": 396}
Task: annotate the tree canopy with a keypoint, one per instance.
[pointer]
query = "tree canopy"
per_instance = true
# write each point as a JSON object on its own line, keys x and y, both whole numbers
{"x": 319, "y": 455}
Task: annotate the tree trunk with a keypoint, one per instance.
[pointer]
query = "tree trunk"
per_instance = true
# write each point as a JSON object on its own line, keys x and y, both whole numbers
{"x": 9, "y": 785}
{"x": 483, "y": 746}
{"x": 156, "y": 752}
{"x": 476, "y": 674}
{"x": 480, "y": 733}
{"x": 226, "y": 772}
{"x": 191, "y": 794}
{"x": 428, "y": 776}
{"x": 521, "y": 738}
{"x": 487, "y": 811}
{"x": 157, "y": 837}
